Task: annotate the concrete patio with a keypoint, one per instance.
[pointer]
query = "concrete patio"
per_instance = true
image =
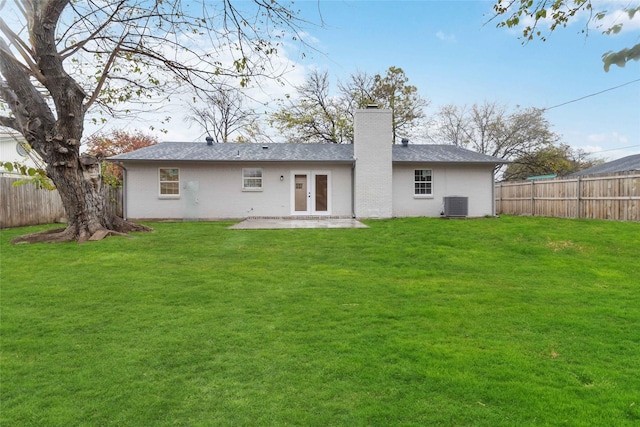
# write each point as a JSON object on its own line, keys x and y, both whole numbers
{"x": 278, "y": 223}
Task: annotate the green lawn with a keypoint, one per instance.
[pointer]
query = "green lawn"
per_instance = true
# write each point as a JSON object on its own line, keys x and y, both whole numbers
{"x": 490, "y": 322}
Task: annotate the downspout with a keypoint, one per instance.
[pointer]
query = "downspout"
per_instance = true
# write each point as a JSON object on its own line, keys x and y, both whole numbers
{"x": 353, "y": 188}
{"x": 124, "y": 189}
{"x": 493, "y": 193}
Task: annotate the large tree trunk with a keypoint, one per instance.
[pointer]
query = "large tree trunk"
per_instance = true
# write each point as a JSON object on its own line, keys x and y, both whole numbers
{"x": 76, "y": 176}
{"x": 80, "y": 187}
{"x": 56, "y": 136}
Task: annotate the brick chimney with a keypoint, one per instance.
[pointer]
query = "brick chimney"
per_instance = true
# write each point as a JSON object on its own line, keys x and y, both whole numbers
{"x": 373, "y": 138}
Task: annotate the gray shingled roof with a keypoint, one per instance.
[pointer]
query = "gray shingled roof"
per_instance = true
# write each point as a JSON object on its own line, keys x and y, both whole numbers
{"x": 232, "y": 152}
{"x": 440, "y": 154}
{"x": 629, "y": 163}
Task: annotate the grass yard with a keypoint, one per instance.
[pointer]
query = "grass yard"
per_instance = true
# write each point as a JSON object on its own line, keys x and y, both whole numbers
{"x": 490, "y": 322}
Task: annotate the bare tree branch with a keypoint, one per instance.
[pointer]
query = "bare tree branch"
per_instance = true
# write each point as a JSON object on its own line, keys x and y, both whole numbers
{"x": 70, "y": 50}
{"x": 24, "y": 51}
{"x": 224, "y": 115}
{"x": 103, "y": 77}
{"x": 489, "y": 129}
{"x": 9, "y": 122}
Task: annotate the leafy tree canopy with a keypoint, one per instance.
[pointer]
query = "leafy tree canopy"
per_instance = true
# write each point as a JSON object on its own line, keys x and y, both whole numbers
{"x": 118, "y": 142}
{"x": 394, "y": 92}
{"x": 559, "y": 160}
{"x": 315, "y": 115}
{"x": 532, "y": 15}
{"x": 104, "y": 145}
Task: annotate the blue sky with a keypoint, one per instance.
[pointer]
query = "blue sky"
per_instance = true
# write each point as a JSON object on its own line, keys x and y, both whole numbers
{"x": 453, "y": 56}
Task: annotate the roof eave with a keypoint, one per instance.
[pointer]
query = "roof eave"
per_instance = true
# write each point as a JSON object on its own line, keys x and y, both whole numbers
{"x": 455, "y": 162}
{"x": 349, "y": 161}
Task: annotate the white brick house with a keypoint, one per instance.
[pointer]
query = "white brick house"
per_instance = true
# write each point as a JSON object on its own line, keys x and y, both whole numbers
{"x": 372, "y": 178}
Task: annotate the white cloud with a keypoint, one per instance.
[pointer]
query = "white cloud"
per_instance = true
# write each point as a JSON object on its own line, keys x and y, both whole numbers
{"x": 309, "y": 39}
{"x": 608, "y": 146}
{"x": 611, "y": 138}
{"x": 591, "y": 148}
{"x": 450, "y": 38}
{"x": 261, "y": 93}
{"x": 260, "y": 97}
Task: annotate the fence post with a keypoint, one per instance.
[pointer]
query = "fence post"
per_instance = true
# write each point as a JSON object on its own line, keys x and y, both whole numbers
{"x": 533, "y": 202}
{"x": 579, "y": 197}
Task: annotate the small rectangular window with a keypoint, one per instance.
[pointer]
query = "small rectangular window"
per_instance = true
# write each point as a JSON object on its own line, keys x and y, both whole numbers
{"x": 252, "y": 179}
{"x": 422, "y": 183}
{"x": 169, "y": 182}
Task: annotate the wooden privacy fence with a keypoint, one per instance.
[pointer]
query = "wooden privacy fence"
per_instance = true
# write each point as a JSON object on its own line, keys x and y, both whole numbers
{"x": 615, "y": 197}
{"x": 27, "y": 205}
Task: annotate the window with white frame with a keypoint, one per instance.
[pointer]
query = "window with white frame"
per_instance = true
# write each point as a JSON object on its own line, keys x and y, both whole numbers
{"x": 169, "y": 182}
{"x": 422, "y": 182}
{"x": 252, "y": 179}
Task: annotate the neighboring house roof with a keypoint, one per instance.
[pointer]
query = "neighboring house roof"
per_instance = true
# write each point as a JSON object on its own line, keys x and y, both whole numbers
{"x": 537, "y": 177}
{"x": 629, "y": 163}
{"x": 234, "y": 152}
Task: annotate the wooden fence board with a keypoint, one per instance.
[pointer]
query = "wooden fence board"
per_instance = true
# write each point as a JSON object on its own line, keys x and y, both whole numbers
{"x": 25, "y": 204}
{"x": 615, "y": 197}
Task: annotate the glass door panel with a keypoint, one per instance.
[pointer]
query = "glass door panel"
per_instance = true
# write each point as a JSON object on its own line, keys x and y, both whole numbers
{"x": 300, "y": 193}
{"x": 321, "y": 190}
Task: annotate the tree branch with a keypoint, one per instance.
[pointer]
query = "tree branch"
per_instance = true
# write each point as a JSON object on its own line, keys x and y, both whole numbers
{"x": 9, "y": 122}
{"x": 70, "y": 50}
{"x": 18, "y": 91}
{"x": 25, "y": 52}
{"x": 103, "y": 76}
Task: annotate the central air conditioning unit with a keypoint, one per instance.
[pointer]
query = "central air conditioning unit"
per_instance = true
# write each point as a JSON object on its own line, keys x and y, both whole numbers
{"x": 456, "y": 206}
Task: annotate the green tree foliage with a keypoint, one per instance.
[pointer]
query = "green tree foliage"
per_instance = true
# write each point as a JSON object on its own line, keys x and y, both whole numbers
{"x": 315, "y": 115}
{"x": 394, "y": 92}
{"x": 532, "y": 15}
{"x": 31, "y": 175}
{"x": 60, "y": 59}
{"x": 559, "y": 160}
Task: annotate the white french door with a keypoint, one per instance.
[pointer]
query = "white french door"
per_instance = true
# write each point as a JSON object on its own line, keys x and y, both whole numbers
{"x": 311, "y": 193}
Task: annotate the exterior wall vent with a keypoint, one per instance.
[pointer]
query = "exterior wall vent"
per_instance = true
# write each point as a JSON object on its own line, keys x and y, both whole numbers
{"x": 456, "y": 206}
